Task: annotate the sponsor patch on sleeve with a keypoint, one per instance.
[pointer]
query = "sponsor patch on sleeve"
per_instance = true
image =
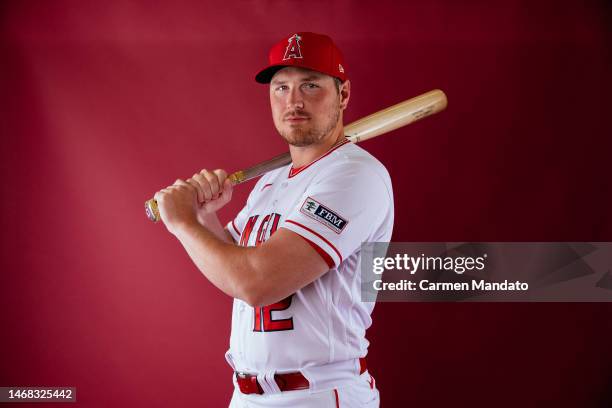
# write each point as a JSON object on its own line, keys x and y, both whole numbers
{"x": 324, "y": 215}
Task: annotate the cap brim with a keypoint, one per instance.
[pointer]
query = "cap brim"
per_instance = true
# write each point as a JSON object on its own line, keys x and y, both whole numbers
{"x": 265, "y": 75}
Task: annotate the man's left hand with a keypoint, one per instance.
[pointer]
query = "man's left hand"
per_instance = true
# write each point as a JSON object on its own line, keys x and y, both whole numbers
{"x": 178, "y": 205}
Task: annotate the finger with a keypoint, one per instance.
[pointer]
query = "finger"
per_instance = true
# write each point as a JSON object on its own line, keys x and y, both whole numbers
{"x": 183, "y": 184}
{"x": 206, "y": 190}
{"x": 213, "y": 181}
{"x": 177, "y": 182}
{"x": 228, "y": 188}
{"x": 198, "y": 188}
{"x": 221, "y": 176}
{"x": 205, "y": 185}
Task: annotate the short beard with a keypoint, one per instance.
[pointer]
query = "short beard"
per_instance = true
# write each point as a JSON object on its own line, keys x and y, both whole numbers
{"x": 305, "y": 137}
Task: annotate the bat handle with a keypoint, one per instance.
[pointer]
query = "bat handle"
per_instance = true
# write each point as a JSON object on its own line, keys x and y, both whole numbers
{"x": 152, "y": 209}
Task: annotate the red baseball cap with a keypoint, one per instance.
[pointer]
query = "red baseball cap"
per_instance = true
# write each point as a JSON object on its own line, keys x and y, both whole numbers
{"x": 306, "y": 50}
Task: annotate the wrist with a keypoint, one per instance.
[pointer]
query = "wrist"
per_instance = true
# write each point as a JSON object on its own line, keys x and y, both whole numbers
{"x": 206, "y": 219}
{"x": 187, "y": 227}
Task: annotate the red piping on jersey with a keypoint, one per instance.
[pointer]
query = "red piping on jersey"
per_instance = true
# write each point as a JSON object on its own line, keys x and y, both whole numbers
{"x": 235, "y": 229}
{"x": 298, "y": 170}
{"x": 318, "y": 235}
{"x": 337, "y": 400}
{"x": 328, "y": 259}
{"x": 267, "y": 185}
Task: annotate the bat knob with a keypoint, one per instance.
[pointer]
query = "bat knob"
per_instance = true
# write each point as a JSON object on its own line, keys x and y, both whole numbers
{"x": 152, "y": 210}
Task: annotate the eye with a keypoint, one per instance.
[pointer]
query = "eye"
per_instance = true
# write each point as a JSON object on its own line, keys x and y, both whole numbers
{"x": 281, "y": 88}
{"x": 310, "y": 85}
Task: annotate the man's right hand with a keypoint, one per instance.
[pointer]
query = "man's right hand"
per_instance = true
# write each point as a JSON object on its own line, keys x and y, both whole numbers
{"x": 214, "y": 191}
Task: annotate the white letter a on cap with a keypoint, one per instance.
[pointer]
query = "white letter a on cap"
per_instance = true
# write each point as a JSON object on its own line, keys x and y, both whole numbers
{"x": 293, "y": 48}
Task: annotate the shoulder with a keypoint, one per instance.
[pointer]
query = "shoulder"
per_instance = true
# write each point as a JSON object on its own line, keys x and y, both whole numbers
{"x": 355, "y": 166}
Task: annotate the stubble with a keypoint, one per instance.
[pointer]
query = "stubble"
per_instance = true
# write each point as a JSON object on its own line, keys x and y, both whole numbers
{"x": 310, "y": 134}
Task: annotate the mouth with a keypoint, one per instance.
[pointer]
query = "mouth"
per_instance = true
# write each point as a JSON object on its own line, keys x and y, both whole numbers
{"x": 296, "y": 119}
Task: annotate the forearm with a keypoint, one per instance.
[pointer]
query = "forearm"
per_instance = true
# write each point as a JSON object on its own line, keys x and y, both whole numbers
{"x": 211, "y": 223}
{"x": 259, "y": 275}
{"x": 224, "y": 264}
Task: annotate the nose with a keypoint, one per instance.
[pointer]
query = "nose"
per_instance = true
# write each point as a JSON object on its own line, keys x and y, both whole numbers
{"x": 294, "y": 99}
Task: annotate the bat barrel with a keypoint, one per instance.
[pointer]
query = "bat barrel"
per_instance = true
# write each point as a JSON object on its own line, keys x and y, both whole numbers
{"x": 396, "y": 116}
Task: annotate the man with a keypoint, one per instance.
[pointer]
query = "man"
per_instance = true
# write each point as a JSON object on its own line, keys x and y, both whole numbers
{"x": 291, "y": 257}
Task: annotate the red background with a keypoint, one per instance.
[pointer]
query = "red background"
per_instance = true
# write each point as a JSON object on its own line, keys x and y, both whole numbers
{"x": 103, "y": 103}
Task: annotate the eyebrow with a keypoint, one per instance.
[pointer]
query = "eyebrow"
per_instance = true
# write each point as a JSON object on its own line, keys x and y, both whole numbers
{"x": 305, "y": 79}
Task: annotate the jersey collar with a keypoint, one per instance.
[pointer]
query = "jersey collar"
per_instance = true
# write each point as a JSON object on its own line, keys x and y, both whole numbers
{"x": 294, "y": 171}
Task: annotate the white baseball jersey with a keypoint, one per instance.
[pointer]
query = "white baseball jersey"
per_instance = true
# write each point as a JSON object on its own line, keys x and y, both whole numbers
{"x": 335, "y": 203}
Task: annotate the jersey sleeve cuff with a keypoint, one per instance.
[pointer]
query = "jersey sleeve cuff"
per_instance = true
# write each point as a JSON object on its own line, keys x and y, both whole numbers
{"x": 317, "y": 241}
{"x": 234, "y": 232}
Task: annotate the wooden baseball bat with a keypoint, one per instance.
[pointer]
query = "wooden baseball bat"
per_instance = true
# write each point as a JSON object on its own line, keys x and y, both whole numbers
{"x": 373, "y": 125}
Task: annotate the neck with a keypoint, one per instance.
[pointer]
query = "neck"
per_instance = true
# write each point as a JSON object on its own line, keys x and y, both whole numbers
{"x": 302, "y": 155}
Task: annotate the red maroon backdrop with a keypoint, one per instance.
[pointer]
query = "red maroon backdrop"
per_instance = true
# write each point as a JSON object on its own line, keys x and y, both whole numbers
{"x": 103, "y": 103}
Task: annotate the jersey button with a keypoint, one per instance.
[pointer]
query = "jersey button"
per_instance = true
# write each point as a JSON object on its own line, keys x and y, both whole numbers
{"x": 284, "y": 184}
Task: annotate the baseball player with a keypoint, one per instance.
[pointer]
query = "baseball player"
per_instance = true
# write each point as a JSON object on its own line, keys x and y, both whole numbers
{"x": 291, "y": 257}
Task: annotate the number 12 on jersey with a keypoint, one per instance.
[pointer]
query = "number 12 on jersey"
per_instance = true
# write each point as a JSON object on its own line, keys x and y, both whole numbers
{"x": 263, "y": 321}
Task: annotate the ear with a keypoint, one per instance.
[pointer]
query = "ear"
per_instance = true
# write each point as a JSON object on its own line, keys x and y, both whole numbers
{"x": 345, "y": 94}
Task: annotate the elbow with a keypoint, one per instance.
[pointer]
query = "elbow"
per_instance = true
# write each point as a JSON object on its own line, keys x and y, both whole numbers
{"x": 253, "y": 290}
{"x": 244, "y": 292}
{"x": 262, "y": 286}
{"x": 249, "y": 291}
{"x": 255, "y": 295}
{"x": 252, "y": 298}
{"x": 253, "y": 301}
{"x": 264, "y": 297}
